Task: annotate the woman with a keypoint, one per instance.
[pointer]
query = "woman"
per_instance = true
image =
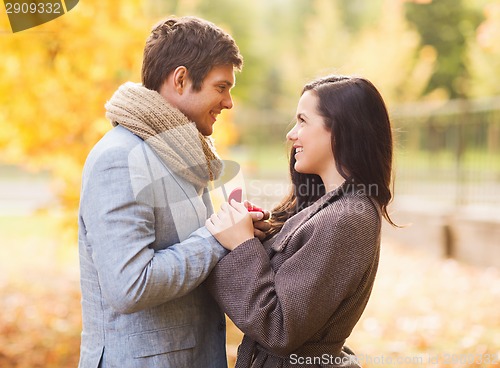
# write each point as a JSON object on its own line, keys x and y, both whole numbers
{"x": 298, "y": 296}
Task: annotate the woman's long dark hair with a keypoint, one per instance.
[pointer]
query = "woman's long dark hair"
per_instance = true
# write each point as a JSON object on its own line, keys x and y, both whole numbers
{"x": 361, "y": 136}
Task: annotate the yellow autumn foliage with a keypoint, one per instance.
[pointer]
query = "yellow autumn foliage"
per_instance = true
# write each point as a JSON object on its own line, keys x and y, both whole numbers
{"x": 55, "y": 81}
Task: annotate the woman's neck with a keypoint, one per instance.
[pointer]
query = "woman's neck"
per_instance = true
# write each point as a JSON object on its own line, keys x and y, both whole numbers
{"x": 332, "y": 179}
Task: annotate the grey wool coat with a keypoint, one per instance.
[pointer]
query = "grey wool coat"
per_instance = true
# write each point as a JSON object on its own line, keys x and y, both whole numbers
{"x": 298, "y": 297}
{"x": 142, "y": 261}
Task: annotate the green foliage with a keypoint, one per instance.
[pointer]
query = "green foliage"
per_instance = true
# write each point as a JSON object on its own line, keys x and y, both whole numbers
{"x": 484, "y": 54}
{"x": 447, "y": 26}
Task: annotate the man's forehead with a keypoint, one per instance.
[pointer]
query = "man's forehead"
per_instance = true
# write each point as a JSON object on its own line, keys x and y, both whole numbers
{"x": 222, "y": 74}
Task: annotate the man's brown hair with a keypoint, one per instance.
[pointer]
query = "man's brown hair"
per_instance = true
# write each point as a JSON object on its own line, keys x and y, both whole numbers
{"x": 192, "y": 42}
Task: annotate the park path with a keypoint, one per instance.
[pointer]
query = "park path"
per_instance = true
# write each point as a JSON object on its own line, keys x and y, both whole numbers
{"x": 24, "y": 196}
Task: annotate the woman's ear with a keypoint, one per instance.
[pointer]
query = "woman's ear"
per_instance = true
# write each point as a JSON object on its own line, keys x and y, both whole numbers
{"x": 180, "y": 75}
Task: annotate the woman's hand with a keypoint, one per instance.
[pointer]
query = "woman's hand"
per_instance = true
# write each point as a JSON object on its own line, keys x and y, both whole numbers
{"x": 232, "y": 225}
{"x": 259, "y": 218}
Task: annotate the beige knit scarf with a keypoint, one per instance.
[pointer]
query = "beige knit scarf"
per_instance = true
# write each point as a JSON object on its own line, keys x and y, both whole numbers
{"x": 174, "y": 138}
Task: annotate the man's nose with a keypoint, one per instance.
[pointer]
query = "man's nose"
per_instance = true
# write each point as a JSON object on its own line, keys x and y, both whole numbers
{"x": 227, "y": 103}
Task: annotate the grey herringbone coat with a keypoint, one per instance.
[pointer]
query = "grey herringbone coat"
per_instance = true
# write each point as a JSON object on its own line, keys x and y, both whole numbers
{"x": 298, "y": 297}
{"x": 142, "y": 262}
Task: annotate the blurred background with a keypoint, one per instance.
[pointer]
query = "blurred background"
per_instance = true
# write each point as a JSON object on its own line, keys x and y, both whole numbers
{"x": 437, "y": 64}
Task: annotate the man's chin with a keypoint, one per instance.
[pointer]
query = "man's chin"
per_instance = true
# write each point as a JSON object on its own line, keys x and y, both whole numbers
{"x": 205, "y": 130}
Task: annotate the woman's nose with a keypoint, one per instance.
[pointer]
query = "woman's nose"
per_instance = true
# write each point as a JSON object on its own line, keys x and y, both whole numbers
{"x": 292, "y": 134}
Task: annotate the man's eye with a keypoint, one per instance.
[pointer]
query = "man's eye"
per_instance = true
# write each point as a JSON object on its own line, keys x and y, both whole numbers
{"x": 221, "y": 88}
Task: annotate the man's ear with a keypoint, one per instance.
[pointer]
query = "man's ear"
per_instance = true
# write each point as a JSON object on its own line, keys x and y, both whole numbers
{"x": 180, "y": 75}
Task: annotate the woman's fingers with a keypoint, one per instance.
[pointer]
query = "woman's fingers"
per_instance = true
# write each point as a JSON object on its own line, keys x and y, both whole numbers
{"x": 262, "y": 226}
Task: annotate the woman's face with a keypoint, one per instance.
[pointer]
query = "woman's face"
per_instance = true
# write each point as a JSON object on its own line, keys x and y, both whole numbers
{"x": 311, "y": 140}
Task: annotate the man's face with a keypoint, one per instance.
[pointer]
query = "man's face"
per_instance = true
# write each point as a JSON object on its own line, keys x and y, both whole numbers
{"x": 203, "y": 106}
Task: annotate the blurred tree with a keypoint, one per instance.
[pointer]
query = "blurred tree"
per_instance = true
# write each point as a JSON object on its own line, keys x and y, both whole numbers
{"x": 381, "y": 47}
{"x": 385, "y": 51}
{"x": 326, "y": 42}
{"x": 55, "y": 81}
{"x": 358, "y": 14}
{"x": 446, "y": 26}
{"x": 484, "y": 54}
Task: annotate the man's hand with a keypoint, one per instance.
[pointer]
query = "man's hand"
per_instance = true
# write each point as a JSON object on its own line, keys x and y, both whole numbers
{"x": 232, "y": 225}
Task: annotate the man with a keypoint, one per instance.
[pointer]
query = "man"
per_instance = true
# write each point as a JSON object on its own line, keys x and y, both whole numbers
{"x": 144, "y": 195}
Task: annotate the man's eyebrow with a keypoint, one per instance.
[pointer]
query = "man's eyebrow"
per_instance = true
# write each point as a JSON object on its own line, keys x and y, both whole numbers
{"x": 226, "y": 82}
